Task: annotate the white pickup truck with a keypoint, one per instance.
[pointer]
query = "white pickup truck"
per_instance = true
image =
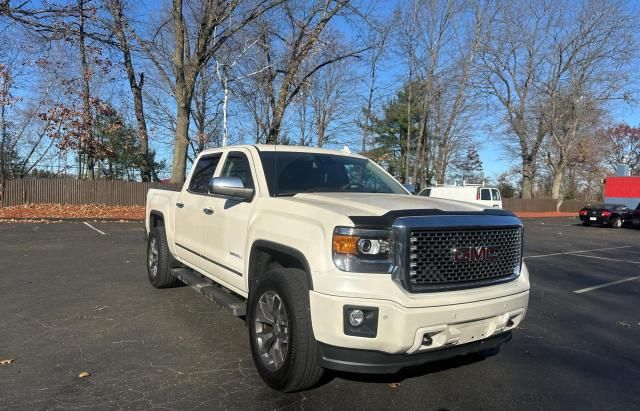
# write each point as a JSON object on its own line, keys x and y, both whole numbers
{"x": 334, "y": 264}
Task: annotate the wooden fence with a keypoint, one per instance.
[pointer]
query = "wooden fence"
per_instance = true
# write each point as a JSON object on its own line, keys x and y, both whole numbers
{"x": 65, "y": 191}
{"x": 543, "y": 205}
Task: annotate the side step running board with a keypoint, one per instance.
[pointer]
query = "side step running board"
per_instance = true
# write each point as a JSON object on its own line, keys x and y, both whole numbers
{"x": 212, "y": 291}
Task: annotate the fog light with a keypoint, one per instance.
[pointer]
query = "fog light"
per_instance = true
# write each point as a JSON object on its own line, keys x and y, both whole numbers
{"x": 356, "y": 318}
{"x": 360, "y": 321}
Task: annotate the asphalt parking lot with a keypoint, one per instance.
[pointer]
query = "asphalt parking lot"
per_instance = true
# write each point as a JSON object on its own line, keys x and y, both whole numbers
{"x": 74, "y": 299}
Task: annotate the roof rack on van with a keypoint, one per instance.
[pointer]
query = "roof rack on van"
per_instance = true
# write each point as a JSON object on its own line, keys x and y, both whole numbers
{"x": 464, "y": 184}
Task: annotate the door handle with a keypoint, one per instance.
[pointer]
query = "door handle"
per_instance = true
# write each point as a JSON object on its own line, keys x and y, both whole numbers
{"x": 207, "y": 211}
{"x": 179, "y": 205}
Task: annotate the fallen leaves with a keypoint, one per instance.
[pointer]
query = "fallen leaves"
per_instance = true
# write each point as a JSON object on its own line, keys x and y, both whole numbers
{"x": 623, "y": 324}
{"x": 84, "y": 374}
{"x": 394, "y": 385}
{"x": 6, "y": 362}
{"x": 81, "y": 211}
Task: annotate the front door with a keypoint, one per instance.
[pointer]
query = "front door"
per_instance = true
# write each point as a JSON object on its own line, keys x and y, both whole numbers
{"x": 225, "y": 235}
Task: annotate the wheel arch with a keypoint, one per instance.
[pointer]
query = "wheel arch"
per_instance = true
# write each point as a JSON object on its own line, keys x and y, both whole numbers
{"x": 265, "y": 255}
{"x": 156, "y": 218}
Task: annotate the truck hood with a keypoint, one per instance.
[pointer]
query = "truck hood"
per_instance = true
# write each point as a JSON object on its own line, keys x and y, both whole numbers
{"x": 374, "y": 204}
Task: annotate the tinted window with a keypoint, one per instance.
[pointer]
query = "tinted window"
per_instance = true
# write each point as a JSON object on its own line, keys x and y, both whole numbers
{"x": 237, "y": 165}
{"x": 485, "y": 194}
{"x": 300, "y": 172}
{"x": 426, "y": 192}
{"x": 496, "y": 194}
{"x": 203, "y": 172}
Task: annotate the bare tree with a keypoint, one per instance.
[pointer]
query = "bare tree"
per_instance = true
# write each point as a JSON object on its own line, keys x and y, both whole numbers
{"x": 198, "y": 34}
{"x": 588, "y": 61}
{"x": 538, "y": 62}
{"x": 378, "y": 36}
{"x": 442, "y": 47}
{"x": 136, "y": 83}
{"x": 332, "y": 101}
{"x": 301, "y": 37}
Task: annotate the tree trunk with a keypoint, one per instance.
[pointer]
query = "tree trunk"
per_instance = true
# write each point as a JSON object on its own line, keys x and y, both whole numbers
{"x": 136, "y": 89}
{"x": 321, "y": 131}
{"x": 407, "y": 154}
{"x": 440, "y": 162}
{"x": 417, "y": 165}
{"x": 87, "y": 126}
{"x": 557, "y": 183}
{"x": 180, "y": 145}
{"x": 276, "y": 122}
{"x": 527, "y": 178}
{"x": 225, "y": 101}
{"x": 183, "y": 99}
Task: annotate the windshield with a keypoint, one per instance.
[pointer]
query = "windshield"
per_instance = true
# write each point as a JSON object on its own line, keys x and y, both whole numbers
{"x": 299, "y": 172}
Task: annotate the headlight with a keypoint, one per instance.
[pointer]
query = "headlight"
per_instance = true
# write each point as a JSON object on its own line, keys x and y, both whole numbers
{"x": 363, "y": 251}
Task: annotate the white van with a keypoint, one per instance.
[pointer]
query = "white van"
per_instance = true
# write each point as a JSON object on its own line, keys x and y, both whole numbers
{"x": 470, "y": 193}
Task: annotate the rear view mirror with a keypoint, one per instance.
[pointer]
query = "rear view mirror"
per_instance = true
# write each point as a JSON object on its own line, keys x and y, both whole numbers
{"x": 231, "y": 187}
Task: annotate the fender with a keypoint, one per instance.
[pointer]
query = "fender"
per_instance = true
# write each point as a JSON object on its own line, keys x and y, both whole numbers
{"x": 282, "y": 249}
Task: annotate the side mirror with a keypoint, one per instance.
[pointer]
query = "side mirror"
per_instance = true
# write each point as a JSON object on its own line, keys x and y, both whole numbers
{"x": 231, "y": 187}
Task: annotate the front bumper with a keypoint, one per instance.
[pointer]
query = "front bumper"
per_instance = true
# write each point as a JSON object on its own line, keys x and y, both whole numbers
{"x": 399, "y": 340}
{"x": 376, "y": 362}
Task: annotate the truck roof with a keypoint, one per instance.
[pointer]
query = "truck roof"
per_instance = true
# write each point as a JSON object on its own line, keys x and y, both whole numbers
{"x": 285, "y": 148}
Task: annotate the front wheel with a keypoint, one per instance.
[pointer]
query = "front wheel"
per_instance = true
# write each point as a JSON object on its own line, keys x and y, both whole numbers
{"x": 283, "y": 346}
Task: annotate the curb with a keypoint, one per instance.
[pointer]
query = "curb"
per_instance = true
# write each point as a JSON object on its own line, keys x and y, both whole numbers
{"x": 71, "y": 219}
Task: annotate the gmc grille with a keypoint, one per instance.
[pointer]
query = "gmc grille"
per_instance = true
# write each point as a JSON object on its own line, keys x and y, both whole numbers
{"x": 489, "y": 255}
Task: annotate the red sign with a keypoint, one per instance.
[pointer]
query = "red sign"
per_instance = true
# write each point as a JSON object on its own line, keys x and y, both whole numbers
{"x": 622, "y": 187}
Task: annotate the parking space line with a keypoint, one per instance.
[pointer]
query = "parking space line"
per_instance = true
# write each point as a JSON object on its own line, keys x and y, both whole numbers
{"x": 577, "y": 252}
{"x": 596, "y": 287}
{"x": 93, "y": 228}
{"x": 609, "y": 259}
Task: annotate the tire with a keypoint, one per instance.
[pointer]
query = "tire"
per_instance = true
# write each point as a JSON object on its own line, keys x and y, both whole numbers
{"x": 586, "y": 223}
{"x": 296, "y": 368}
{"x": 159, "y": 259}
{"x": 616, "y": 223}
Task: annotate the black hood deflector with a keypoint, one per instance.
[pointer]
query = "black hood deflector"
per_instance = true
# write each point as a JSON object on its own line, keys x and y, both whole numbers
{"x": 386, "y": 220}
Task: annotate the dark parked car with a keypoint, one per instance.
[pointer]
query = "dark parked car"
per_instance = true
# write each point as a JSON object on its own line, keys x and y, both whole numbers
{"x": 615, "y": 215}
{"x": 635, "y": 216}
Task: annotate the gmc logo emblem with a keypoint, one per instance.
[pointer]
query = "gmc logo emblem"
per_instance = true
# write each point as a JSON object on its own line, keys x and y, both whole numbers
{"x": 474, "y": 254}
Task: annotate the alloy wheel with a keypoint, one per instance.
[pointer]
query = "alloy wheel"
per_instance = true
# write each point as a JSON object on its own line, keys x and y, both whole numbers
{"x": 152, "y": 257}
{"x": 271, "y": 327}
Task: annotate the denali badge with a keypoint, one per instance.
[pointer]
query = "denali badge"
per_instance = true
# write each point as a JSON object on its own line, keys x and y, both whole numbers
{"x": 474, "y": 254}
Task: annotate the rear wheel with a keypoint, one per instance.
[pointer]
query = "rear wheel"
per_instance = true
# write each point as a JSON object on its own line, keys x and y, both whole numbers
{"x": 159, "y": 259}
{"x": 283, "y": 346}
{"x": 616, "y": 222}
{"x": 586, "y": 223}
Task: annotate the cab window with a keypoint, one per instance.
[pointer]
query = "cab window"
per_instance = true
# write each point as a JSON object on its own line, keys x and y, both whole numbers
{"x": 203, "y": 172}
{"x": 237, "y": 165}
{"x": 485, "y": 194}
{"x": 426, "y": 192}
{"x": 495, "y": 194}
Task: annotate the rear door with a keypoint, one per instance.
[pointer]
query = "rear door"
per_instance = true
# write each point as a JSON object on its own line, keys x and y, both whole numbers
{"x": 190, "y": 207}
{"x": 496, "y": 198}
{"x": 485, "y": 197}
